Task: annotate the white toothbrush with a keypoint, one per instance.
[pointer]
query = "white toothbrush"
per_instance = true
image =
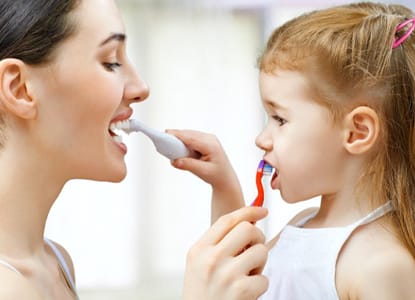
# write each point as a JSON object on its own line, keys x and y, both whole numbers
{"x": 166, "y": 144}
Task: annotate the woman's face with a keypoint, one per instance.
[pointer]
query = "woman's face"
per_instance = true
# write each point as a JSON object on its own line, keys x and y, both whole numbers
{"x": 89, "y": 85}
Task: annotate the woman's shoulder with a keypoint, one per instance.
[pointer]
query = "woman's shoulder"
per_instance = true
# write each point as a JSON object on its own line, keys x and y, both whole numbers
{"x": 16, "y": 286}
{"x": 66, "y": 257}
{"x": 374, "y": 264}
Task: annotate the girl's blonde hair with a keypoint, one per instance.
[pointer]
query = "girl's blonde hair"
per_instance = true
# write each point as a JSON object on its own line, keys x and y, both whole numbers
{"x": 346, "y": 52}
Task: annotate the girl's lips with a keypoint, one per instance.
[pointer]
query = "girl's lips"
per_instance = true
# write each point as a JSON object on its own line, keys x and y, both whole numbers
{"x": 274, "y": 180}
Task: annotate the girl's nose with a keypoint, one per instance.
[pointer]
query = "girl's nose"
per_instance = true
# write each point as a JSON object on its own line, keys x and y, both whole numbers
{"x": 264, "y": 141}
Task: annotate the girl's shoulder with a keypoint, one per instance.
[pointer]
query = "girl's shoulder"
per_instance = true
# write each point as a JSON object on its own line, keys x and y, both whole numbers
{"x": 374, "y": 264}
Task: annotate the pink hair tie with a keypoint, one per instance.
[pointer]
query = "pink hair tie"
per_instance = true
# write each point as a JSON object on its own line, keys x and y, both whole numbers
{"x": 401, "y": 39}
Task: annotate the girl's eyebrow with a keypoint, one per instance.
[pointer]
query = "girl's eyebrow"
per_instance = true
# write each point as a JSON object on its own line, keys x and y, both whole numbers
{"x": 274, "y": 105}
{"x": 115, "y": 36}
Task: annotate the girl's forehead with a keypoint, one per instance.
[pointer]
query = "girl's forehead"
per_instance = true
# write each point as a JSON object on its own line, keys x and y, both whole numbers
{"x": 283, "y": 85}
{"x": 282, "y": 80}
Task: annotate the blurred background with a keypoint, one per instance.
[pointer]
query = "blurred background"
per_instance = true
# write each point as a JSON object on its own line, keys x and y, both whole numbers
{"x": 129, "y": 240}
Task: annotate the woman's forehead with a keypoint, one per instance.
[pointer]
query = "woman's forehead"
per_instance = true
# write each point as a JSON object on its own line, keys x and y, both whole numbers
{"x": 97, "y": 19}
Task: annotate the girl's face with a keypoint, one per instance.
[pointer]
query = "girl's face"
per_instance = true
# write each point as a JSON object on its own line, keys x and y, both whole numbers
{"x": 300, "y": 139}
{"x": 89, "y": 85}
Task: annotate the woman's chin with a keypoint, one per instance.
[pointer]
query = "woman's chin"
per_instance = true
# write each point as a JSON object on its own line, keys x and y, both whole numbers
{"x": 109, "y": 175}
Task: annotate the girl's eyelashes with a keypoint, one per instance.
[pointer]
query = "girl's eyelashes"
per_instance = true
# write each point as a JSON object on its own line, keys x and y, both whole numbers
{"x": 112, "y": 66}
{"x": 280, "y": 120}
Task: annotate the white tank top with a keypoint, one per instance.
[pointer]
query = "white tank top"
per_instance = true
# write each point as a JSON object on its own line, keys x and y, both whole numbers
{"x": 302, "y": 264}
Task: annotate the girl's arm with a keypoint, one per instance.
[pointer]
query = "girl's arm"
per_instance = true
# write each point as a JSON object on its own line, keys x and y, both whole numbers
{"x": 213, "y": 167}
{"x": 387, "y": 276}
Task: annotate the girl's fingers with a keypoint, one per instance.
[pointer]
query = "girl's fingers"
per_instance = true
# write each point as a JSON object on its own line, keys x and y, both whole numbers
{"x": 227, "y": 222}
{"x": 196, "y": 166}
{"x": 201, "y": 142}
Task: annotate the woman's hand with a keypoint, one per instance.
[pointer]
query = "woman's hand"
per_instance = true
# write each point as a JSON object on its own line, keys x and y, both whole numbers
{"x": 226, "y": 263}
{"x": 213, "y": 167}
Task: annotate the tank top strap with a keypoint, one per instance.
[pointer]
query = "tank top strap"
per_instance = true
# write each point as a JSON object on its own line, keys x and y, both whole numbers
{"x": 305, "y": 219}
{"x": 374, "y": 215}
{"x": 9, "y": 266}
{"x": 63, "y": 265}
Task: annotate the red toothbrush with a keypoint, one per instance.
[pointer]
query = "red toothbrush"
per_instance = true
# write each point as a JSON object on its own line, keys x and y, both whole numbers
{"x": 263, "y": 169}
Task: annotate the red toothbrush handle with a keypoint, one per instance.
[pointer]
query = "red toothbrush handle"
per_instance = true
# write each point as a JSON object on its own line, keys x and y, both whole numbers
{"x": 259, "y": 200}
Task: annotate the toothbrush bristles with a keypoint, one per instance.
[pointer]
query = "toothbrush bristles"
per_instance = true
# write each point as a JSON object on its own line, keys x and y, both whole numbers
{"x": 267, "y": 169}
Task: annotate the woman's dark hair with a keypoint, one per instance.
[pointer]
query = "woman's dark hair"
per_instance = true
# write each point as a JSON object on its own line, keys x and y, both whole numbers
{"x": 31, "y": 29}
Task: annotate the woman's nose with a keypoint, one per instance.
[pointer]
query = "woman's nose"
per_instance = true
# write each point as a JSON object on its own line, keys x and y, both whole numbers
{"x": 136, "y": 90}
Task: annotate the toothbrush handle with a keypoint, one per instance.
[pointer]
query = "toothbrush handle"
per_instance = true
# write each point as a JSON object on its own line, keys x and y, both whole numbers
{"x": 166, "y": 144}
{"x": 172, "y": 147}
{"x": 259, "y": 200}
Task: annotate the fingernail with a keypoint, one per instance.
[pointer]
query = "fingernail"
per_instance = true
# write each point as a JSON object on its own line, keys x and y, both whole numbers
{"x": 178, "y": 163}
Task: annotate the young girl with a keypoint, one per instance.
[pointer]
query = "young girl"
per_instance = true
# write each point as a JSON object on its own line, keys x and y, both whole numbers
{"x": 64, "y": 79}
{"x": 338, "y": 86}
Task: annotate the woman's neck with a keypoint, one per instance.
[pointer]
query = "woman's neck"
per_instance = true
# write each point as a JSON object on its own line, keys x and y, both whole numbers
{"x": 27, "y": 193}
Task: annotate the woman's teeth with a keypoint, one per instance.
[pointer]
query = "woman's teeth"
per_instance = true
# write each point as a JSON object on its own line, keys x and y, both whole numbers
{"x": 117, "y": 138}
{"x": 120, "y": 125}
{"x": 117, "y": 129}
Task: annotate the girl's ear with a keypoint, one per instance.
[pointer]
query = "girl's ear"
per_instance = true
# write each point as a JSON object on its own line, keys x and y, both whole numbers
{"x": 361, "y": 130}
{"x": 14, "y": 96}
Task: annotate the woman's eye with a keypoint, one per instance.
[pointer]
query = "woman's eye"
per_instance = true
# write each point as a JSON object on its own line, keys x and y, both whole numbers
{"x": 280, "y": 120}
{"x": 112, "y": 66}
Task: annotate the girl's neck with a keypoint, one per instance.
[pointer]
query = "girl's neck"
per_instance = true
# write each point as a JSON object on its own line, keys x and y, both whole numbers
{"x": 341, "y": 210}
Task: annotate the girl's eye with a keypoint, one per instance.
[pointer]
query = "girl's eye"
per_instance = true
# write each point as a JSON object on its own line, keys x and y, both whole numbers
{"x": 112, "y": 66}
{"x": 280, "y": 120}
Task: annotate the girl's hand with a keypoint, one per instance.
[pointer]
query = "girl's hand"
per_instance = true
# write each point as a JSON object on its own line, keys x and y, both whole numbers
{"x": 227, "y": 261}
{"x": 213, "y": 167}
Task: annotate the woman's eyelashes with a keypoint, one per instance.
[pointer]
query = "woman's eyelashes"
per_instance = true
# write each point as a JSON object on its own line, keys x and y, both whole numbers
{"x": 112, "y": 66}
{"x": 280, "y": 120}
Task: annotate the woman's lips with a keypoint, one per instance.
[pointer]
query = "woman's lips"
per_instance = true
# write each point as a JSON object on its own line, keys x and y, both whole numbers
{"x": 121, "y": 146}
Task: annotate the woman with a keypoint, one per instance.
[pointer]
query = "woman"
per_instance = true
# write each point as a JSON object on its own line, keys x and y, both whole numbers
{"x": 65, "y": 78}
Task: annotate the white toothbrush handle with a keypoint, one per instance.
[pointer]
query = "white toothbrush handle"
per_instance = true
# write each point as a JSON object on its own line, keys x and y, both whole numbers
{"x": 166, "y": 144}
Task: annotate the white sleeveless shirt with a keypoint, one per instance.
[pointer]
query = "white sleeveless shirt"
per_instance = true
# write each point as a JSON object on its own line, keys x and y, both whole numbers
{"x": 302, "y": 264}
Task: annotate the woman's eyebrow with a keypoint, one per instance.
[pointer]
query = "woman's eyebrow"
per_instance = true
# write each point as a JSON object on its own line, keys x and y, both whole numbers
{"x": 115, "y": 36}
